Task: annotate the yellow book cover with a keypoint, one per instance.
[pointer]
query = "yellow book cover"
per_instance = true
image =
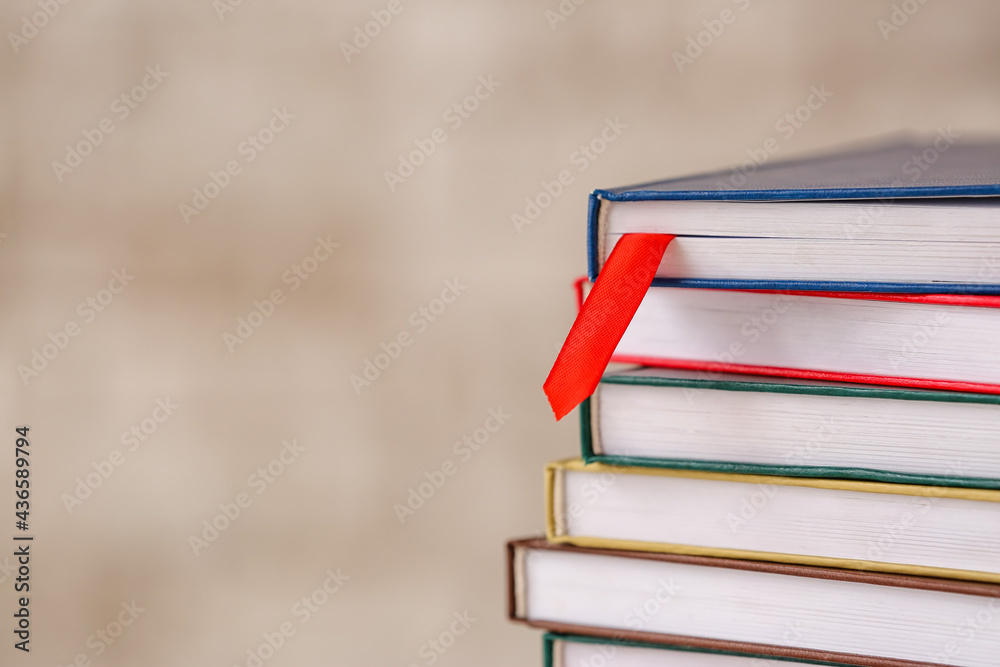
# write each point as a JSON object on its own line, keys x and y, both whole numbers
{"x": 875, "y": 526}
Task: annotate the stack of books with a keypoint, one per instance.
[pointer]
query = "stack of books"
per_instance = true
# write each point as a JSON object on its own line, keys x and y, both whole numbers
{"x": 802, "y": 464}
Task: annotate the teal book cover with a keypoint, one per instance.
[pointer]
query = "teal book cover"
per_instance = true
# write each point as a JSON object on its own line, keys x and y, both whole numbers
{"x": 956, "y": 474}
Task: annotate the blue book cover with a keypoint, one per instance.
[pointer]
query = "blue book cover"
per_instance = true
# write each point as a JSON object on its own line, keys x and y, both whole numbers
{"x": 941, "y": 166}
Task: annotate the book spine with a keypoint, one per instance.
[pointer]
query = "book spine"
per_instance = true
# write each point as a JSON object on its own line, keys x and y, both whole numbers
{"x": 593, "y": 213}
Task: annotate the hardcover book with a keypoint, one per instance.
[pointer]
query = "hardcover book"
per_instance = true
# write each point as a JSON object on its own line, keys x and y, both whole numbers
{"x": 908, "y": 216}
{"x": 904, "y": 528}
{"x": 805, "y": 467}
{"x": 797, "y": 612}
{"x": 559, "y": 650}
{"x": 675, "y": 418}
{"x": 927, "y": 341}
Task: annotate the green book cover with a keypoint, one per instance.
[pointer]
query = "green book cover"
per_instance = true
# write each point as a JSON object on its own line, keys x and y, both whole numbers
{"x": 551, "y": 638}
{"x": 589, "y": 430}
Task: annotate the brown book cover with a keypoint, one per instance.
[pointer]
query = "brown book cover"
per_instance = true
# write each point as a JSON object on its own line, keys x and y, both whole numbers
{"x": 875, "y": 578}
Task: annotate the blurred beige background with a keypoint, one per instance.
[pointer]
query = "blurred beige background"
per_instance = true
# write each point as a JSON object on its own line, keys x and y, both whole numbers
{"x": 222, "y": 73}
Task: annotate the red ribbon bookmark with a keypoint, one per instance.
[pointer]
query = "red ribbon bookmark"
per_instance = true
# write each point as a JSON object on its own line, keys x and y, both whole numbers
{"x": 602, "y": 321}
